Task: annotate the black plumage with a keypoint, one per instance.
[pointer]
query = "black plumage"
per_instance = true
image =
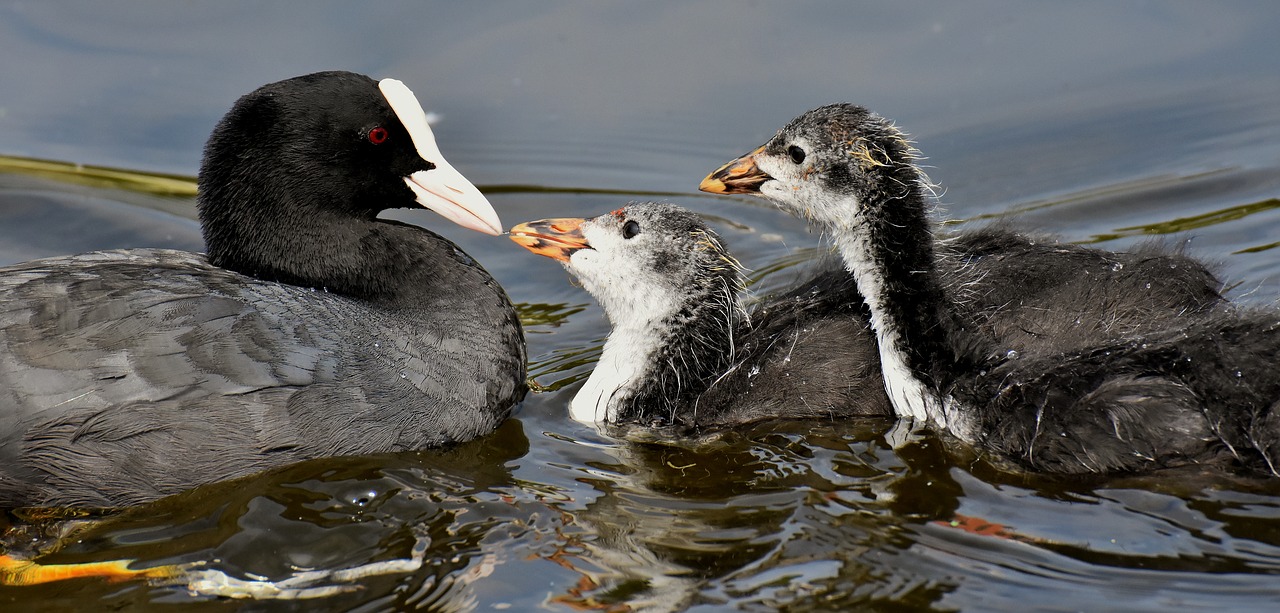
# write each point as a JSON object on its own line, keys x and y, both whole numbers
{"x": 312, "y": 328}
{"x": 1150, "y": 387}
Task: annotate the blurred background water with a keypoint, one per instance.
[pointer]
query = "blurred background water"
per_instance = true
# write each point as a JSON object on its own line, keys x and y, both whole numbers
{"x": 1103, "y": 122}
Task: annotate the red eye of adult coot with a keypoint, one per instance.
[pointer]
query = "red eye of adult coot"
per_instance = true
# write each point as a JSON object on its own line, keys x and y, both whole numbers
{"x": 378, "y": 135}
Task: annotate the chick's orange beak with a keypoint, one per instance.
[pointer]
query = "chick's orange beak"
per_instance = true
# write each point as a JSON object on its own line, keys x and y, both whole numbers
{"x": 553, "y": 238}
{"x": 741, "y": 176}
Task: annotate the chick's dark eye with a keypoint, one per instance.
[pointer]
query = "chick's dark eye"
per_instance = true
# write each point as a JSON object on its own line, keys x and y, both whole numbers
{"x": 378, "y": 135}
{"x": 630, "y": 229}
{"x": 796, "y": 154}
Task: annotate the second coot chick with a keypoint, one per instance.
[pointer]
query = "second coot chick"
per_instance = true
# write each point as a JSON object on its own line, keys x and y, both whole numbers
{"x": 312, "y": 328}
{"x": 1184, "y": 387}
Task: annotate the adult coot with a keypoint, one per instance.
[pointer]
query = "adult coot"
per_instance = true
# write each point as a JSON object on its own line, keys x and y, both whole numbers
{"x": 1182, "y": 387}
{"x": 311, "y": 328}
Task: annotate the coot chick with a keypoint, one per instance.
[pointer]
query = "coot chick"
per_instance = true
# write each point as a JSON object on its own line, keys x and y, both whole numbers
{"x": 312, "y": 328}
{"x": 683, "y": 353}
{"x": 1185, "y": 387}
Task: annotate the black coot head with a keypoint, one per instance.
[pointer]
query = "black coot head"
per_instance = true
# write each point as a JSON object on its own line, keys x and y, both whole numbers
{"x": 839, "y": 152}
{"x": 321, "y": 148}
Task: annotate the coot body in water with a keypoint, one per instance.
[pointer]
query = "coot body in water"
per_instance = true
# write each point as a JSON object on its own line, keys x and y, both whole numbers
{"x": 312, "y": 328}
{"x": 1185, "y": 387}
{"x": 684, "y": 352}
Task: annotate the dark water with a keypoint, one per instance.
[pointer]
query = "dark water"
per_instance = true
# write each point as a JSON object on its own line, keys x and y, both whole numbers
{"x": 1102, "y": 122}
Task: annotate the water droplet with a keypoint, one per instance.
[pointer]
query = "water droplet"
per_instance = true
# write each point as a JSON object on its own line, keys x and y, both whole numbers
{"x": 1012, "y": 354}
{"x": 1117, "y": 267}
{"x": 1148, "y": 286}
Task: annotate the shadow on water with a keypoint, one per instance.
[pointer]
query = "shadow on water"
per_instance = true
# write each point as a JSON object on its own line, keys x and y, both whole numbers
{"x": 335, "y": 514}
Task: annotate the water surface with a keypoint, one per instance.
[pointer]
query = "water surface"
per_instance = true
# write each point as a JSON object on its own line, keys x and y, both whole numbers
{"x": 1105, "y": 123}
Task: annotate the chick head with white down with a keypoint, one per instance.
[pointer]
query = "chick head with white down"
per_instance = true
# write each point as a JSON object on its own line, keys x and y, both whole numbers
{"x": 828, "y": 166}
{"x": 670, "y": 292}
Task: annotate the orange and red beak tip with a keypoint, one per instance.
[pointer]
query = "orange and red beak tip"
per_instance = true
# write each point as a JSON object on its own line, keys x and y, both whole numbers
{"x": 712, "y": 184}
{"x": 741, "y": 176}
{"x": 554, "y": 238}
